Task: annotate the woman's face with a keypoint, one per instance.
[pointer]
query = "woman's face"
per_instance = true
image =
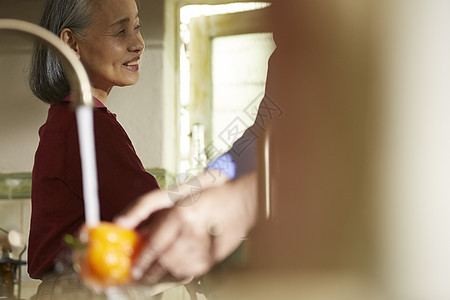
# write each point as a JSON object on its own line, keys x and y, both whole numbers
{"x": 111, "y": 47}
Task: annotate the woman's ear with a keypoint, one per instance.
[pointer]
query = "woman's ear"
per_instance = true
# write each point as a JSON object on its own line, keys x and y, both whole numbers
{"x": 68, "y": 37}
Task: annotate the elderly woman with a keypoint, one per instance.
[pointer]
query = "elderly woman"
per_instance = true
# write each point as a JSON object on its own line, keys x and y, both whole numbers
{"x": 105, "y": 35}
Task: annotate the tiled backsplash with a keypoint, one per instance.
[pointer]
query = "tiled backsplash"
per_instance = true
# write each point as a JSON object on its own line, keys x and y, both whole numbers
{"x": 18, "y": 185}
{"x": 15, "y": 186}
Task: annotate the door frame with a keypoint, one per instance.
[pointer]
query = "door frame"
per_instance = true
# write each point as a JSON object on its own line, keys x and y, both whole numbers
{"x": 202, "y": 31}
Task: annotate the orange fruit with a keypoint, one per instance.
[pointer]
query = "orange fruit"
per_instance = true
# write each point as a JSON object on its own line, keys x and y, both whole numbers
{"x": 109, "y": 255}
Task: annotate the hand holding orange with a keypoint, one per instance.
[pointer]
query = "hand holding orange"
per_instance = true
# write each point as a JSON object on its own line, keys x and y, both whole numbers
{"x": 109, "y": 255}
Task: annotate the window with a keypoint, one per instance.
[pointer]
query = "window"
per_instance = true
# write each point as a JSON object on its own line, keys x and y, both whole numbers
{"x": 224, "y": 51}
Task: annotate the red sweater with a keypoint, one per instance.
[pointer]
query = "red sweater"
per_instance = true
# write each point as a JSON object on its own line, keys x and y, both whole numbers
{"x": 56, "y": 197}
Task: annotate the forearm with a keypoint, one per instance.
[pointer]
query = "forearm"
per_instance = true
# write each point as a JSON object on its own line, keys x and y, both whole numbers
{"x": 230, "y": 211}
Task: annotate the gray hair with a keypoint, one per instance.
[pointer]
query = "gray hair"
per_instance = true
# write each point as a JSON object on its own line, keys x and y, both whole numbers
{"x": 47, "y": 79}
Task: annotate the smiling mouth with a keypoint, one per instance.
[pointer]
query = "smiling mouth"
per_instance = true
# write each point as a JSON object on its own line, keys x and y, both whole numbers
{"x": 131, "y": 63}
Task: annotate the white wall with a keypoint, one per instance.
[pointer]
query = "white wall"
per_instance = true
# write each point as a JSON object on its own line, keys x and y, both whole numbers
{"x": 139, "y": 108}
{"x": 21, "y": 114}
